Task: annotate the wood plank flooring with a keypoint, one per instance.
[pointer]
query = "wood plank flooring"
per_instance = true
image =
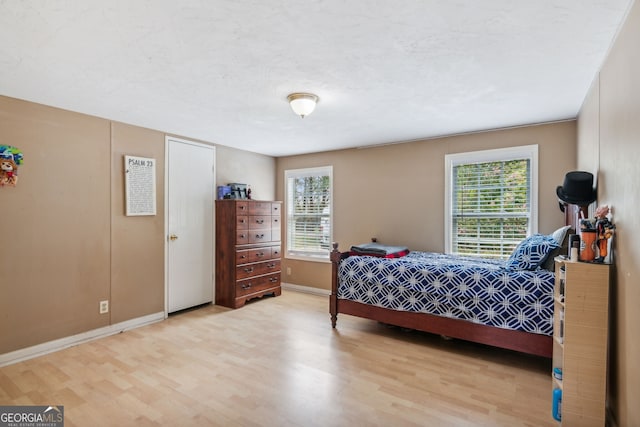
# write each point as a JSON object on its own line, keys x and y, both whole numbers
{"x": 278, "y": 362}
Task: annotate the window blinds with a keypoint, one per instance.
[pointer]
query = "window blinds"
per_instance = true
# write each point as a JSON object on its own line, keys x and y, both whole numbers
{"x": 491, "y": 207}
{"x": 309, "y": 212}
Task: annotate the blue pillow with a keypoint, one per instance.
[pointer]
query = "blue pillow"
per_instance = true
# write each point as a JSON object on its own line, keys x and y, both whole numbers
{"x": 531, "y": 252}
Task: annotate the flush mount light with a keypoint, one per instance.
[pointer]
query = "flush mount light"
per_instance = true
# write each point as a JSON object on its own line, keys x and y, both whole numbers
{"x": 302, "y": 104}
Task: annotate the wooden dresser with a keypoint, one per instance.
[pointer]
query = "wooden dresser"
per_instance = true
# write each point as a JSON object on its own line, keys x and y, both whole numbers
{"x": 247, "y": 250}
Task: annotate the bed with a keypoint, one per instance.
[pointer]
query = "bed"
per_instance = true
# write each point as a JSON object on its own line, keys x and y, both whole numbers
{"x": 502, "y": 303}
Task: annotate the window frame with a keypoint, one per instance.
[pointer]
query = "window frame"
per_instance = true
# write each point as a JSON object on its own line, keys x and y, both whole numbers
{"x": 485, "y": 156}
{"x": 317, "y": 256}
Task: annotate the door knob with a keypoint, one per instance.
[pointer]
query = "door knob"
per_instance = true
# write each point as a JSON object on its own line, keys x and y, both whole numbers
{"x": 173, "y": 237}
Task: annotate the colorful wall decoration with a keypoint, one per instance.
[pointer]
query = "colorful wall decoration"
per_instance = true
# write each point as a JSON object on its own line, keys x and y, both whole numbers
{"x": 10, "y": 159}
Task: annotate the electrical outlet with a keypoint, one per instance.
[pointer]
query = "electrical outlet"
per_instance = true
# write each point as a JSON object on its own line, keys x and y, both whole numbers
{"x": 288, "y": 271}
{"x": 104, "y": 307}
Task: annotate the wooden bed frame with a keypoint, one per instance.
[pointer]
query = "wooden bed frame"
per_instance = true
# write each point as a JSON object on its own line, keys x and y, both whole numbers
{"x": 536, "y": 344}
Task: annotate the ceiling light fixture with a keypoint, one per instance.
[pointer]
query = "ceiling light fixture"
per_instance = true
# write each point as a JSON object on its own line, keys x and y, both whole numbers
{"x": 302, "y": 104}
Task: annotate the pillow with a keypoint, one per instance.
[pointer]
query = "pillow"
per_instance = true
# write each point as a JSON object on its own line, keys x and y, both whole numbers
{"x": 561, "y": 235}
{"x": 531, "y": 252}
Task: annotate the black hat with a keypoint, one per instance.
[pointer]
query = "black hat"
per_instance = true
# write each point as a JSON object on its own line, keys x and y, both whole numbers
{"x": 577, "y": 189}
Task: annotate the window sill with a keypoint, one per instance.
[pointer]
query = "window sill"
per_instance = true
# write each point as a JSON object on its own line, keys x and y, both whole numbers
{"x": 312, "y": 258}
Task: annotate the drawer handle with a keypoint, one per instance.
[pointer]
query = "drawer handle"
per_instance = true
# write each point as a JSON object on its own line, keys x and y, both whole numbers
{"x": 260, "y": 221}
{"x": 242, "y": 208}
{"x": 259, "y": 236}
{"x": 271, "y": 265}
{"x": 243, "y": 256}
{"x": 242, "y": 236}
{"x": 273, "y": 279}
{"x": 260, "y": 254}
{"x": 275, "y": 220}
{"x": 248, "y": 270}
{"x": 246, "y": 285}
{"x": 241, "y": 221}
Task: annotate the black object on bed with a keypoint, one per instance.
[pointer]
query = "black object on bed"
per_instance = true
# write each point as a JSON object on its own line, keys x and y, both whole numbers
{"x": 378, "y": 250}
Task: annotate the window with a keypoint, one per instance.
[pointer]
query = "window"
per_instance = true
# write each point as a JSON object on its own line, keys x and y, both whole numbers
{"x": 308, "y": 205}
{"x": 490, "y": 200}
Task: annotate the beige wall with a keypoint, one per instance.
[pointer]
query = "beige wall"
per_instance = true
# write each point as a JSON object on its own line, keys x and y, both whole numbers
{"x": 244, "y": 167}
{"x": 55, "y": 225}
{"x": 609, "y": 129}
{"x": 137, "y": 242}
{"x": 67, "y": 242}
{"x": 396, "y": 192}
{"x": 588, "y": 158}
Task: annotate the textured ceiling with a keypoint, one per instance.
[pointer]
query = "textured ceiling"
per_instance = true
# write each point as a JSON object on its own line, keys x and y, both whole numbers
{"x": 385, "y": 70}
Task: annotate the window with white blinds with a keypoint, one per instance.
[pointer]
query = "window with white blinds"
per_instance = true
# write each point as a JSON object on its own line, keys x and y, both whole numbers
{"x": 491, "y": 200}
{"x": 308, "y": 207}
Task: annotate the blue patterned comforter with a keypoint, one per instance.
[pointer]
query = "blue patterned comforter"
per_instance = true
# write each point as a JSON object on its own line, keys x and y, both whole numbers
{"x": 473, "y": 289}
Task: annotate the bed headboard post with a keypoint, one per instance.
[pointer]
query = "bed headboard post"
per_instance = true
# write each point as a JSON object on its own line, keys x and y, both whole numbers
{"x": 573, "y": 214}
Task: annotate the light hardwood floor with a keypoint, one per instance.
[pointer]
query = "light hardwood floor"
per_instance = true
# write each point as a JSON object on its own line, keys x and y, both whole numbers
{"x": 278, "y": 362}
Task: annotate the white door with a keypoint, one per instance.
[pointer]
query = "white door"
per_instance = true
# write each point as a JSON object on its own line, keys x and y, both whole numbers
{"x": 190, "y": 223}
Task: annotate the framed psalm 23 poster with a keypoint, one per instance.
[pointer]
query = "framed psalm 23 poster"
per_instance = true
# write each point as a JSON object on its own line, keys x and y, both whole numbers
{"x": 140, "y": 185}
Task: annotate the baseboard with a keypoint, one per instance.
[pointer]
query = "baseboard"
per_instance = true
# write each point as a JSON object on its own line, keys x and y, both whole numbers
{"x": 305, "y": 289}
{"x": 62, "y": 343}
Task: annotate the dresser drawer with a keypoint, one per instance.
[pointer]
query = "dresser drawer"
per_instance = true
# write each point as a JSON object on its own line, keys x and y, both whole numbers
{"x": 257, "y": 284}
{"x": 259, "y": 222}
{"x": 242, "y": 208}
{"x": 275, "y": 251}
{"x": 259, "y": 236}
{"x": 275, "y": 234}
{"x": 254, "y": 255}
{"x": 242, "y": 222}
{"x": 276, "y": 209}
{"x": 242, "y": 237}
{"x": 257, "y": 269}
{"x": 260, "y": 208}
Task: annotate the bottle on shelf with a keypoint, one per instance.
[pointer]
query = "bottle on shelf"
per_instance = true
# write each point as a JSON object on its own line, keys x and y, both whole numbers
{"x": 561, "y": 332}
{"x": 561, "y": 288}
{"x": 557, "y": 373}
{"x": 575, "y": 251}
{"x": 557, "y": 404}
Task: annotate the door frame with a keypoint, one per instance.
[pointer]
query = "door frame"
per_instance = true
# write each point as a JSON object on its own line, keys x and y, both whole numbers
{"x": 212, "y": 147}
